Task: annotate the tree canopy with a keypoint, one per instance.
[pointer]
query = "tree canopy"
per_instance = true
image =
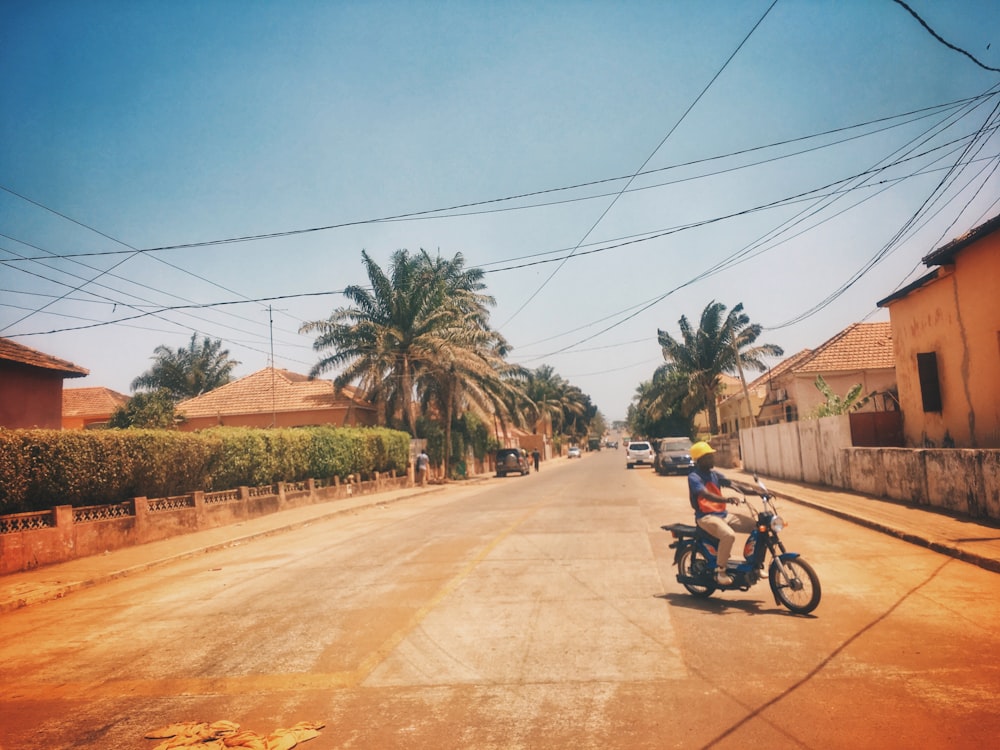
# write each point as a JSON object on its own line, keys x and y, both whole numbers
{"x": 721, "y": 344}
{"x": 187, "y": 372}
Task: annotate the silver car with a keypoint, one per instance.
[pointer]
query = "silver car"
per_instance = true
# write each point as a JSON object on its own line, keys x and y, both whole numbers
{"x": 638, "y": 453}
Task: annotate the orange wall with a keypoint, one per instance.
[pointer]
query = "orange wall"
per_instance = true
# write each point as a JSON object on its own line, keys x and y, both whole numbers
{"x": 958, "y": 317}
{"x": 30, "y": 397}
{"x": 335, "y": 416}
{"x": 80, "y": 422}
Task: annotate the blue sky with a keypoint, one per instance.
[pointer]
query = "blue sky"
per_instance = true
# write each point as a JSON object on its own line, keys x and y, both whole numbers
{"x": 128, "y": 126}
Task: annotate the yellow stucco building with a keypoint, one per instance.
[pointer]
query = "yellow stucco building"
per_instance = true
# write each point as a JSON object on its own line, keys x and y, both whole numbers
{"x": 946, "y": 332}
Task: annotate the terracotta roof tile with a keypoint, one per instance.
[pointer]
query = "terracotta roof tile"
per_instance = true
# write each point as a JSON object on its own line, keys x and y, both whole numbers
{"x": 782, "y": 367}
{"x": 11, "y": 351}
{"x": 861, "y": 346}
{"x": 266, "y": 390}
{"x": 82, "y": 402}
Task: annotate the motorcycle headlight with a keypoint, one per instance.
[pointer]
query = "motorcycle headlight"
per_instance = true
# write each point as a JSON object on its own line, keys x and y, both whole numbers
{"x": 777, "y": 524}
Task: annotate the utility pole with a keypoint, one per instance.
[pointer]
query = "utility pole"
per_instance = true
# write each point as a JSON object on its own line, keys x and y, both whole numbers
{"x": 743, "y": 380}
{"x": 274, "y": 396}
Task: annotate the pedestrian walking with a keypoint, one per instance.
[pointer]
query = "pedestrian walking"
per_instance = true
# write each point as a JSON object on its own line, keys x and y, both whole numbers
{"x": 537, "y": 457}
{"x": 423, "y": 464}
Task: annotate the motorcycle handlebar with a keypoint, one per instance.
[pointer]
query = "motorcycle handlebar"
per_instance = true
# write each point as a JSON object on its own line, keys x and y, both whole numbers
{"x": 746, "y": 489}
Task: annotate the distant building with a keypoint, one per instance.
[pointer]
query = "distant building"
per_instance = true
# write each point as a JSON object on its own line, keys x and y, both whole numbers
{"x": 946, "y": 327}
{"x": 276, "y": 398}
{"x": 87, "y": 408}
{"x": 769, "y": 389}
{"x": 861, "y": 353}
{"x": 31, "y": 386}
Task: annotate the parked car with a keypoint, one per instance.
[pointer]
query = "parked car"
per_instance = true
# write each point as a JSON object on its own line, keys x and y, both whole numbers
{"x": 639, "y": 453}
{"x": 510, "y": 460}
{"x": 674, "y": 456}
{"x": 574, "y": 452}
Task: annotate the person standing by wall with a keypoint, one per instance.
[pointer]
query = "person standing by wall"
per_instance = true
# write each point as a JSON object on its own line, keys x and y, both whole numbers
{"x": 423, "y": 465}
{"x": 537, "y": 457}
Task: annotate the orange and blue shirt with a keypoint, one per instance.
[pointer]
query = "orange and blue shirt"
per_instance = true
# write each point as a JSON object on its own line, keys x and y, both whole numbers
{"x": 698, "y": 483}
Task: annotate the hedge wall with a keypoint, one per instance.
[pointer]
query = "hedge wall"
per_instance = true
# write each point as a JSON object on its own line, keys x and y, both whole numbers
{"x": 40, "y": 469}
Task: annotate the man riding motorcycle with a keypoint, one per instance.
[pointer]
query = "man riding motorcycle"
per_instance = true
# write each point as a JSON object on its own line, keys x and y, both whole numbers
{"x": 710, "y": 507}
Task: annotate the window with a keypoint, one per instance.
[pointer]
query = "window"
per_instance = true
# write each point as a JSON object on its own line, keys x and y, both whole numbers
{"x": 930, "y": 386}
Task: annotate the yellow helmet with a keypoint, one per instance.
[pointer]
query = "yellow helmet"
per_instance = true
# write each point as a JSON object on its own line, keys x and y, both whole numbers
{"x": 700, "y": 449}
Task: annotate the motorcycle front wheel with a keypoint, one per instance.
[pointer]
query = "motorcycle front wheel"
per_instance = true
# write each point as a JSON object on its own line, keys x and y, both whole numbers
{"x": 801, "y": 592}
{"x": 692, "y": 564}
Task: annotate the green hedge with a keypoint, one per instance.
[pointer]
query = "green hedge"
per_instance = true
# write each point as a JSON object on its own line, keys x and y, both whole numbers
{"x": 40, "y": 469}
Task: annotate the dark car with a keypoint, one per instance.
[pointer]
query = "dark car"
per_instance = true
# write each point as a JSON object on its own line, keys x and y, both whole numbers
{"x": 510, "y": 460}
{"x": 674, "y": 456}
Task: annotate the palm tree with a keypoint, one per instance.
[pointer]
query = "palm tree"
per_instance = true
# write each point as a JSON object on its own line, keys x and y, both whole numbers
{"x": 721, "y": 344}
{"x": 422, "y": 331}
{"x": 469, "y": 373}
{"x": 662, "y": 406}
{"x": 187, "y": 372}
{"x": 553, "y": 400}
{"x": 380, "y": 341}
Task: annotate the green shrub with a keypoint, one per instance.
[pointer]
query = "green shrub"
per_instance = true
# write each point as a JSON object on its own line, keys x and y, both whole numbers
{"x": 15, "y": 470}
{"x": 40, "y": 469}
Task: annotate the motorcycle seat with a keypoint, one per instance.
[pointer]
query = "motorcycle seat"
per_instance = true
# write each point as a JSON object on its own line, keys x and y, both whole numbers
{"x": 681, "y": 529}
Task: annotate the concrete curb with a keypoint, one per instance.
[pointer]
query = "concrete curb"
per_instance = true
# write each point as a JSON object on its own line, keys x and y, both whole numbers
{"x": 943, "y": 548}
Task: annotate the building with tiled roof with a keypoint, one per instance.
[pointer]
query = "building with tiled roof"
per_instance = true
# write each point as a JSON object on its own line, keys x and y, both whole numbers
{"x": 764, "y": 390}
{"x": 84, "y": 408}
{"x": 276, "y": 398}
{"x": 946, "y": 327}
{"x": 861, "y": 353}
{"x": 31, "y": 384}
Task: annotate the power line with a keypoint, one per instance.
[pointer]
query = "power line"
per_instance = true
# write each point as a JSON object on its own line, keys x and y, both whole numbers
{"x": 937, "y": 36}
{"x": 446, "y": 211}
{"x": 731, "y": 260}
{"x": 131, "y": 253}
{"x": 45, "y": 260}
{"x": 193, "y": 306}
{"x": 642, "y": 166}
{"x": 893, "y": 243}
{"x": 787, "y": 201}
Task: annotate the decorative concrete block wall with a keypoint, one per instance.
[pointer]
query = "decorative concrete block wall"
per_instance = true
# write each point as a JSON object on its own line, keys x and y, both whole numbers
{"x": 29, "y": 540}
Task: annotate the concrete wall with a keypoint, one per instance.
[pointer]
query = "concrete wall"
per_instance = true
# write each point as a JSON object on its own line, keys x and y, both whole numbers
{"x": 806, "y": 451}
{"x": 29, "y": 540}
{"x": 819, "y": 451}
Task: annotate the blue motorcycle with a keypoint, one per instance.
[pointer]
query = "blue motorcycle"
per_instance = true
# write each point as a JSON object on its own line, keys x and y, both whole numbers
{"x": 794, "y": 583}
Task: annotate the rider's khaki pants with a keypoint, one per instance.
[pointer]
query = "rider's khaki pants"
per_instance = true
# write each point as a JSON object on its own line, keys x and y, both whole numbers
{"x": 725, "y": 530}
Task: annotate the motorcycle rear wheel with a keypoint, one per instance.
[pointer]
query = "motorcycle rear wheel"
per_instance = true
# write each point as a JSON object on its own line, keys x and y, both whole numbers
{"x": 801, "y": 595}
{"x": 692, "y": 564}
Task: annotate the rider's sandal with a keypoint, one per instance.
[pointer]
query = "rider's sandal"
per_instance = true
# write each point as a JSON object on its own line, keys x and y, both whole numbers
{"x": 722, "y": 577}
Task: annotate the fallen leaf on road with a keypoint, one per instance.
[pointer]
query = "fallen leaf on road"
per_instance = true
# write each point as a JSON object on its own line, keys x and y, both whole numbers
{"x": 226, "y": 735}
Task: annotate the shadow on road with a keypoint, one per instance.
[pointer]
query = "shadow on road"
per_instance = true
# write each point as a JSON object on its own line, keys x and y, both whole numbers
{"x": 722, "y": 606}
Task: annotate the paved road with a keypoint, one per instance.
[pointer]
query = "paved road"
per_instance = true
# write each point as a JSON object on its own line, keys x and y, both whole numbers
{"x": 525, "y": 612}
